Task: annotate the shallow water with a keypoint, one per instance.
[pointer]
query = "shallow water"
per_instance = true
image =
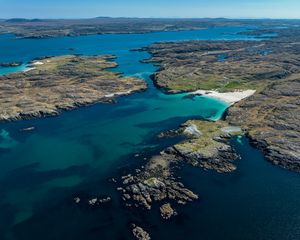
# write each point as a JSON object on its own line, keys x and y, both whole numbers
{"x": 75, "y": 153}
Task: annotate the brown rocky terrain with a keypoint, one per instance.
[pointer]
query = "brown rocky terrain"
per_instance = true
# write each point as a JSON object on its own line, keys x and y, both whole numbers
{"x": 154, "y": 183}
{"x": 206, "y": 146}
{"x": 220, "y": 65}
{"x": 272, "y": 120}
{"x": 139, "y": 233}
{"x": 166, "y": 211}
{"x": 272, "y": 67}
{"x": 44, "y": 28}
{"x": 61, "y": 83}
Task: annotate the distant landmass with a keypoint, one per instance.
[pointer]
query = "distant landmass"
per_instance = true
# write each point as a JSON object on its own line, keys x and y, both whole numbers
{"x": 45, "y": 28}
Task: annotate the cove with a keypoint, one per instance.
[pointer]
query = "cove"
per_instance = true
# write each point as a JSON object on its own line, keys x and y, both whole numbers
{"x": 77, "y": 151}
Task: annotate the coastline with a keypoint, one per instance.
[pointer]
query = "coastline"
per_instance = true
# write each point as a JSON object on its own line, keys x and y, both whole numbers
{"x": 78, "y": 83}
{"x": 228, "y": 97}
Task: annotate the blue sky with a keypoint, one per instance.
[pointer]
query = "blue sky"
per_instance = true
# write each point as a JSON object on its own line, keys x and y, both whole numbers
{"x": 150, "y": 8}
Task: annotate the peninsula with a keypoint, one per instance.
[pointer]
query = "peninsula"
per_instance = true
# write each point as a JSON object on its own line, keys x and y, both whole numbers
{"x": 53, "y": 84}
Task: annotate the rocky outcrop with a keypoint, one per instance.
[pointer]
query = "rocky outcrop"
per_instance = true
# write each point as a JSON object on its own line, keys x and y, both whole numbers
{"x": 156, "y": 182}
{"x": 92, "y": 201}
{"x": 139, "y": 233}
{"x": 98, "y": 201}
{"x": 166, "y": 211}
{"x": 208, "y": 145}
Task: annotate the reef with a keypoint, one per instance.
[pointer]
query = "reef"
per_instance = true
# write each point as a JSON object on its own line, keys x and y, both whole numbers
{"x": 53, "y": 84}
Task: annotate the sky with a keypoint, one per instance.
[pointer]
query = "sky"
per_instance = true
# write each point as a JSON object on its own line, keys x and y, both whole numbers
{"x": 150, "y": 8}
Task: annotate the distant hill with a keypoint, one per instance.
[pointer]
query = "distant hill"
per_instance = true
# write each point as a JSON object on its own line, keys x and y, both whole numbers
{"x": 23, "y": 20}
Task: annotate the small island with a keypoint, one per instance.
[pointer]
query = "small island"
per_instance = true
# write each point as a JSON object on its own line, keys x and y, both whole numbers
{"x": 53, "y": 84}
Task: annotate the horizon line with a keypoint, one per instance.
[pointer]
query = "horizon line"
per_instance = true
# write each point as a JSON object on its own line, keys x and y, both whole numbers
{"x": 120, "y": 17}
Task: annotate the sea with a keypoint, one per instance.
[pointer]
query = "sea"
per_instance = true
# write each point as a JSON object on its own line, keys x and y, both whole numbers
{"x": 77, "y": 153}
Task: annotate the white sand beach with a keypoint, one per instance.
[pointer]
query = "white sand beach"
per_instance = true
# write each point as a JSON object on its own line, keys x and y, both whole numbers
{"x": 28, "y": 69}
{"x": 228, "y": 97}
{"x": 117, "y": 94}
{"x": 38, "y": 63}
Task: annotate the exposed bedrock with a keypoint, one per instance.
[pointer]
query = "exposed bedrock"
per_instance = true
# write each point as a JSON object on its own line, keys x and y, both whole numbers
{"x": 206, "y": 146}
{"x": 139, "y": 233}
{"x": 272, "y": 120}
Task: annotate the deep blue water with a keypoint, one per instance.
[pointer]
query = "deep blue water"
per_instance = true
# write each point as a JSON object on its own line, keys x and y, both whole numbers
{"x": 75, "y": 153}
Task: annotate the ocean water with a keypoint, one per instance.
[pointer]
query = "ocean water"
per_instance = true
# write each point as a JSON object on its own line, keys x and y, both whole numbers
{"x": 7, "y": 70}
{"x": 75, "y": 153}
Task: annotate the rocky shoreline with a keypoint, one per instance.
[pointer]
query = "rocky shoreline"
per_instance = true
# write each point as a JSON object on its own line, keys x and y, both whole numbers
{"x": 270, "y": 117}
{"x": 207, "y": 146}
{"x": 55, "y": 84}
{"x": 12, "y": 64}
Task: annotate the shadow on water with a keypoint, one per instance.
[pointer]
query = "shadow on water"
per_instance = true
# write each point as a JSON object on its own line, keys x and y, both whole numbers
{"x": 231, "y": 206}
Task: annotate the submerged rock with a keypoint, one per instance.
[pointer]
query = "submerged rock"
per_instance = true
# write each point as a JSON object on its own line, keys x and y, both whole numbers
{"x": 28, "y": 129}
{"x": 98, "y": 201}
{"x": 13, "y": 64}
{"x": 77, "y": 200}
{"x": 93, "y": 201}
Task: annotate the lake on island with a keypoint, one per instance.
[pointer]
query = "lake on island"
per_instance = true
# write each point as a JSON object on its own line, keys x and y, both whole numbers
{"x": 78, "y": 152}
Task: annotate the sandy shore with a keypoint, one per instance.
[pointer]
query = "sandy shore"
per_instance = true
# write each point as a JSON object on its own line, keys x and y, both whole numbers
{"x": 38, "y": 63}
{"x": 117, "y": 94}
{"x": 228, "y": 97}
{"x": 28, "y": 69}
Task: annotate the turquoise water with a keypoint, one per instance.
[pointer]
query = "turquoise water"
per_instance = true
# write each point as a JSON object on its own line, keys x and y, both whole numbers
{"x": 75, "y": 152}
{"x": 7, "y": 70}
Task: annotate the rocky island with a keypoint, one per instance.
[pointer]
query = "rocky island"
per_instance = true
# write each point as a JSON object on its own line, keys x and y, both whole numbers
{"x": 207, "y": 145}
{"x": 53, "y": 84}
